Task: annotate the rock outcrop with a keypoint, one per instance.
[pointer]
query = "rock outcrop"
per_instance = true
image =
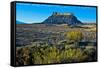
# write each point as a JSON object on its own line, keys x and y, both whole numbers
{"x": 62, "y": 18}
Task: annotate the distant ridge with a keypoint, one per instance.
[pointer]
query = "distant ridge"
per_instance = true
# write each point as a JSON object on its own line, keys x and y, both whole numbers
{"x": 62, "y": 18}
{"x": 19, "y": 22}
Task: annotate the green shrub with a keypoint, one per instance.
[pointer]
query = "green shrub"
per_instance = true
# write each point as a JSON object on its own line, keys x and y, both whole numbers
{"x": 74, "y": 36}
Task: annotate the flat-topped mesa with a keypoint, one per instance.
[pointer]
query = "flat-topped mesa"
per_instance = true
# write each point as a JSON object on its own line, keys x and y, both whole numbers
{"x": 62, "y": 18}
{"x": 66, "y": 13}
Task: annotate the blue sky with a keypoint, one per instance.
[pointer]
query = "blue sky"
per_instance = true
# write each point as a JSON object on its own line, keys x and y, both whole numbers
{"x": 36, "y": 13}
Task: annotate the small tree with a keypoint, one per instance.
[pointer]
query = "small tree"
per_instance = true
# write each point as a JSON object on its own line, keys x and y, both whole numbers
{"x": 74, "y": 36}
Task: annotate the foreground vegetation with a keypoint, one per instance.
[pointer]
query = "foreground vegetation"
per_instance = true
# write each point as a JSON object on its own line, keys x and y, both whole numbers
{"x": 64, "y": 51}
{"x": 51, "y": 54}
